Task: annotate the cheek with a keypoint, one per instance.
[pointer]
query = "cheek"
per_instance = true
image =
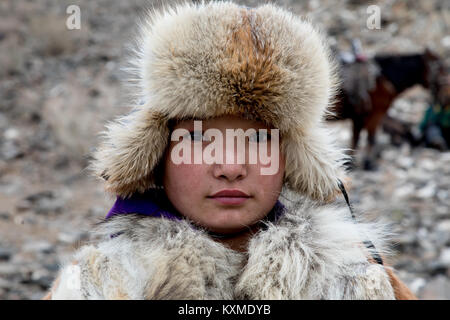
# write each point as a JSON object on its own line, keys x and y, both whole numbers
{"x": 183, "y": 182}
{"x": 269, "y": 186}
{"x": 181, "y": 186}
{"x": 274, "y": 177}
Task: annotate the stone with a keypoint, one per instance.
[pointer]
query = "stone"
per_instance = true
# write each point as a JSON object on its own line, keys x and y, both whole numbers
{"x": 404, "y": 191}
{"x": 443, "y": 226}
{"x": 72, "y": 237}
{"x": 417, "y": 284}
{"x": 9, "y": 150}
{"x": 45, "y": 202}
{"x": 39, "y": 246}
{"x": 42, "y": 278}
{"x": 9, "y": 270}
{"x": 427, "y": 192}
{"x": 4, "y": 283}
{"x": 5, "y": 216}
{"x": 444, "y": 258}
{"x": 5, "y": 254}
{"x": 436, "y": 289}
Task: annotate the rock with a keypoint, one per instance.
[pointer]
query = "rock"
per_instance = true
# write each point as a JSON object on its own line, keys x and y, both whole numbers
{"x": 4, "y": 284}
{"x": 405, "y": 240}
{"x": 428, "y": 247}
{"x": 405, "y": 191}
{"x": 444, "y": 258}
{"x": 42, "y": 278}
{"x": 445, "y": 41}
{"x": 11, "y": 186}
{"x": 52, "y": 267}
{"x": 23, "y": 205}
{"x": 435, "y": 268}
{"x": 440, "y": 238}
{"x": 427, "y": 192}
{"x": 5, "y": 216}
{"x": 72, "y": 237}
{"x": 42, "y": 140}
{"x": 39, "y": 246}
{"x": 9, "y": 270}
{"x": 11, "y": 134}
{"x": 38, "y": 295}
{"x": 436, "y": 289}
{"x": 62, "y": 162}
{"x": 46, "y": 202}
{"x": 443, "y": 195}
{"x": 97, "y": 211}
{"x": 443, "y": 226}
{"x": 5, "y": 254}
{"x": 416, "y": 285}
{"x": 9, "y": 150}
{"x": 443, "y": 211}
{"x": 3, "y": 121}
{"x": 418, "y": 175}
{"x": 427, "y": 164}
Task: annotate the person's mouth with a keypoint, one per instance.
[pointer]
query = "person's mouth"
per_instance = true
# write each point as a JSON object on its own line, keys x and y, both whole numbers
{"x": 230, "y": 197}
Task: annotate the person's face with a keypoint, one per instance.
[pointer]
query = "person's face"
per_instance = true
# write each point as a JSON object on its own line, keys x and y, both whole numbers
{"x": 191, "y": 187}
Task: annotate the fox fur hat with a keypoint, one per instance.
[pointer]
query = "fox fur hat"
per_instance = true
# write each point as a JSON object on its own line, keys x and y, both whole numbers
{"x": 203, "y": 60}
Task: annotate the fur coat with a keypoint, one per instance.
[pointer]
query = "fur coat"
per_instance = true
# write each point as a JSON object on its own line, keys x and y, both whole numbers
{"x": 312, "y": 252}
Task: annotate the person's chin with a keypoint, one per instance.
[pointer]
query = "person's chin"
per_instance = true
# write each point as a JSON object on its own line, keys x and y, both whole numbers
{"x": 226, "y": 230}
{"x": 230, "y": 228}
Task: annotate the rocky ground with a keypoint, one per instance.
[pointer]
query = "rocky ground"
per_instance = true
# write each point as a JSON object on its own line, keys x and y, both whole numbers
{"x": 59, "y": 87}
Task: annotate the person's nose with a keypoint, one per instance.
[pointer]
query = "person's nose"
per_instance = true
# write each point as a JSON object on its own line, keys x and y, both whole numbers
{"x": 230, "y": 172}
{"x": 233, "y": 166}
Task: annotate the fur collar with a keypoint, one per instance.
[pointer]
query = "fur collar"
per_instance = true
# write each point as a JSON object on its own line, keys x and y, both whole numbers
{"x": 312, "y": 252}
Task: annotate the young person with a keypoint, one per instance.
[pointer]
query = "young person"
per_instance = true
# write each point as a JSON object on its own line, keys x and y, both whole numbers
{"x": 191, "y": 221}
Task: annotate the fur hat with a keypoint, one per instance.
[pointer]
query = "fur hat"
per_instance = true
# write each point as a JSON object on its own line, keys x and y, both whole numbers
{"x": 197, "y": 61}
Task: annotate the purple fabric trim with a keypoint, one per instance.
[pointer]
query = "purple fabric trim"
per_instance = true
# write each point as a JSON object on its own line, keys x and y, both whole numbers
{"x": 146, "y": 204}
{"x": 140, "y": 203}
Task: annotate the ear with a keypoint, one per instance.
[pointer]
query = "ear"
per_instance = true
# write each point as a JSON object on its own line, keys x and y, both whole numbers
{"x": 132, "y": 147}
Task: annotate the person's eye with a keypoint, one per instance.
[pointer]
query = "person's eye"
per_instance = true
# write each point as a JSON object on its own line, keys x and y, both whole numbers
{"x": 198, "y": 136}
{"x": 260, "y": 137}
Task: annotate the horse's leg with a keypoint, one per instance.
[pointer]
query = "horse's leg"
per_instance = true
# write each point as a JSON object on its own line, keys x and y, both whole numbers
{"x": 382, "y": 98}
{"x": 371, "y": 150}
{"x": 357, "y": 127}
{"x": 356, "y": 132}
{"x": 370, "y": 155}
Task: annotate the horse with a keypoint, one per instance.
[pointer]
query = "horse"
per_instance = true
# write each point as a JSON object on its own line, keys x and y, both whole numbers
{"x": 396, "y": 73}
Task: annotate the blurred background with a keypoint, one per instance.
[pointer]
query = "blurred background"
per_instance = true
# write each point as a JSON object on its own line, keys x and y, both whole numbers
{"x": 58, "y": 88}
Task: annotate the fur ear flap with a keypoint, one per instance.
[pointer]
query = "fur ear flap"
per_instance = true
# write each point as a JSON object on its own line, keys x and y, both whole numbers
{"x": 313, "y": 164}
{"x": 132, "y": 147}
